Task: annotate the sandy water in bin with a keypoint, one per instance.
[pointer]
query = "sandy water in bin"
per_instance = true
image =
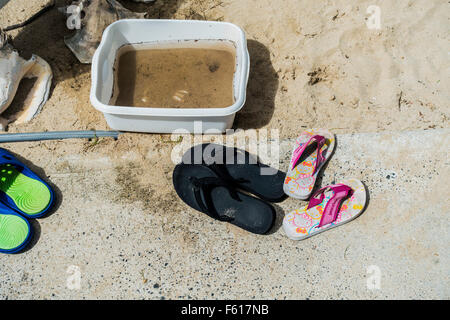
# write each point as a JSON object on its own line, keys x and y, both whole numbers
{"x": 187, "y": 74}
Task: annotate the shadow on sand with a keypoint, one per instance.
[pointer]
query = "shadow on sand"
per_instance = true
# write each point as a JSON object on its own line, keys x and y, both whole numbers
{"x": 261, "y": 89}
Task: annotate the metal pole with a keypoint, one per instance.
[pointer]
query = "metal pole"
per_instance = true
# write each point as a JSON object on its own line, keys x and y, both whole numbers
{"x": 56, "y": 135}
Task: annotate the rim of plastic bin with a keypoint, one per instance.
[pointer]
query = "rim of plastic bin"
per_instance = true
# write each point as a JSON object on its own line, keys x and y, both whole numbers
{"x": 171, "y": 112}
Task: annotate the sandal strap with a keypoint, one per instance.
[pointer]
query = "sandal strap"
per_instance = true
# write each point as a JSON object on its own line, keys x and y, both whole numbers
{"x": 204, "y": 186}
{"x": 331, "y": 210}
{"x": 300, "y": 149}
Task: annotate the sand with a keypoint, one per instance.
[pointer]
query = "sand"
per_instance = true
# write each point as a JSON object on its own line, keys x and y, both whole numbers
{"x": 314, "y": 63}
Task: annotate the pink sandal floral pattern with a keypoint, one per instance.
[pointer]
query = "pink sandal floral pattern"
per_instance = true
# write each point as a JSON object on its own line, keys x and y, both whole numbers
{"x": 329, "y": 207}
{"x": 301, "y": 176}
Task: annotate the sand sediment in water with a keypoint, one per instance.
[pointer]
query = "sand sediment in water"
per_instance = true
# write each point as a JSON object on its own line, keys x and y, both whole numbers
{"x": 175, "y": 78}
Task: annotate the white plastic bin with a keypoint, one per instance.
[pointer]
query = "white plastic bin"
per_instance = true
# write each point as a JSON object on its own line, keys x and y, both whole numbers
{"x": 165, "y": 120}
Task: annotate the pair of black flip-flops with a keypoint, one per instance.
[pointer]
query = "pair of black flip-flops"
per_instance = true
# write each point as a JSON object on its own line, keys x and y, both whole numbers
{"x": 223, "y": 182}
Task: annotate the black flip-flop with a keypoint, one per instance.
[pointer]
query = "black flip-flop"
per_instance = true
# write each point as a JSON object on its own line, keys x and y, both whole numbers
{"x": 202, "y": 189}
{"x": 239, "y": 168}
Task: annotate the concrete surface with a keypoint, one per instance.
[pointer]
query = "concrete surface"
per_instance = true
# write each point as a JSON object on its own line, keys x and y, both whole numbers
{"x": 121, "y": 247}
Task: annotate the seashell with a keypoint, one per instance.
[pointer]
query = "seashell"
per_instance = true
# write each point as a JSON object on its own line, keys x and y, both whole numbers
{"x": 13, "y": 69}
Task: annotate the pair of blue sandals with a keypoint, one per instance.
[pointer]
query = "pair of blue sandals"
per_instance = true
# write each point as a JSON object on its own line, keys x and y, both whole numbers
{"x": 23, "y": 195}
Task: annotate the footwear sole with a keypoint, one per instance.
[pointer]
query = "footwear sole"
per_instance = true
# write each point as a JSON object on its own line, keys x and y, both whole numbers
{"x": 295, "y": 196}
{"x": 251, "y": 214}
{"x": 31, "y": 196}
{"x": 15, "y": 233}
{"x": 364, "y": 205}
{"x": 236, "y": 164}
{"x": 329, "y": 154}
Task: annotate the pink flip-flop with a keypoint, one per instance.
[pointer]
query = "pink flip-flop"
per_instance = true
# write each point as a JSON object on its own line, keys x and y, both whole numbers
{"x": 312, "y": 149}
{"x": 329, "y": 207}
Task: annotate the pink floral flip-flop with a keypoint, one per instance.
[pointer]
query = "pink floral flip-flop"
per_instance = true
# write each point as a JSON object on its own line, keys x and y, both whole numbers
{"x": 329, "y": 207}
{"x": 312, "y": 149}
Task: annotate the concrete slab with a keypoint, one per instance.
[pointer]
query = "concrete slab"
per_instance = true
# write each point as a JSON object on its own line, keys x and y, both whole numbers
{"x": 121, "y": 247}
